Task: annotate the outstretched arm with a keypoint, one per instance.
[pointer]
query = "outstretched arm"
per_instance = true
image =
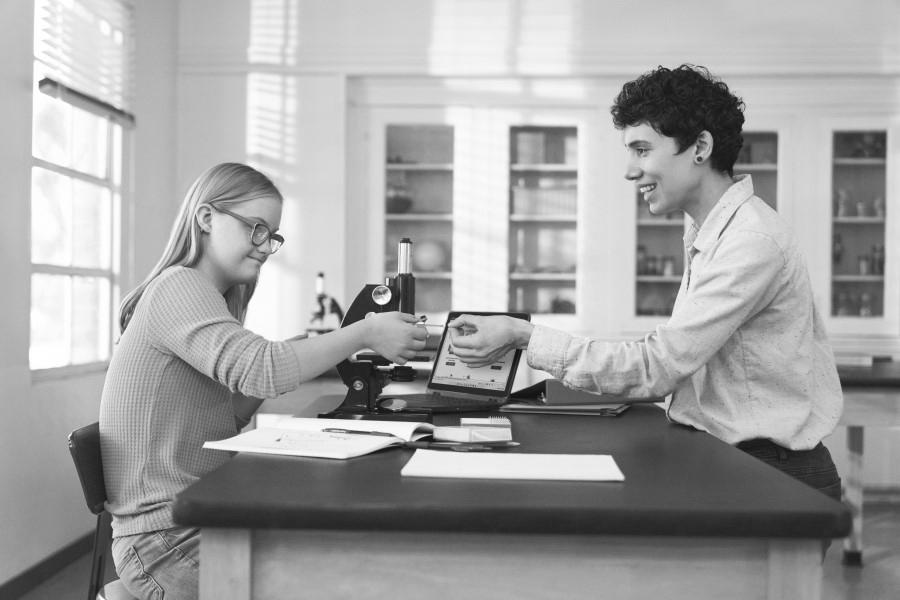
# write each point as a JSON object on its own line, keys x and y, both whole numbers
{"x": 393, "y": 335}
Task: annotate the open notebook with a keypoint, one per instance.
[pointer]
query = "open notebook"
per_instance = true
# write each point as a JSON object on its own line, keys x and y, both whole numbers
{"x": 454, "y": 386}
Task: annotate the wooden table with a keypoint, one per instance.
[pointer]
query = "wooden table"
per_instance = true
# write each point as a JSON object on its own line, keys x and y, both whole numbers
{"x": 871, "y": 399}
{"x": 695, "y": 518}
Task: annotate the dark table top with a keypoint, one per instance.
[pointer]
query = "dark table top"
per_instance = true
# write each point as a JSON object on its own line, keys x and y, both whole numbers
{"x": 678, "y": 482}
{"x": 880, "y": 374}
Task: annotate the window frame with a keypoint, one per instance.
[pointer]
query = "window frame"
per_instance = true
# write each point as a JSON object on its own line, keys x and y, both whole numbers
{"x": 117, "y": 158}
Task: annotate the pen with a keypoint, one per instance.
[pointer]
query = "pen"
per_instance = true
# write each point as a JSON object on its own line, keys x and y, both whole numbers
{"x": 358, "y": 431}
{"x": 461, "y": 446}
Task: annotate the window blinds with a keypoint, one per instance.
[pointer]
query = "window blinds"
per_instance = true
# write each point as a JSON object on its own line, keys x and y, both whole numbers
{"x": 86, "y": 48}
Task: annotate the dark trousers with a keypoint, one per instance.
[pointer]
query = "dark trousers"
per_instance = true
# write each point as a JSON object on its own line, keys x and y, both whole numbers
{"x": 813, "y": 467}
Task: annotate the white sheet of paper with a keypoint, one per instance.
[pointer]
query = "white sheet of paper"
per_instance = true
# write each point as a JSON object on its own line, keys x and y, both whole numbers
{"x": 508, "y": 465}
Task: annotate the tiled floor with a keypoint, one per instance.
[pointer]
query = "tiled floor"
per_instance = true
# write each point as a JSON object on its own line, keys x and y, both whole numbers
{"x": 879, "y": 579}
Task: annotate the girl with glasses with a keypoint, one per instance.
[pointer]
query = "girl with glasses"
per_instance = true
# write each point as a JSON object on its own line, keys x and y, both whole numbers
{"x": 185, "y": 370}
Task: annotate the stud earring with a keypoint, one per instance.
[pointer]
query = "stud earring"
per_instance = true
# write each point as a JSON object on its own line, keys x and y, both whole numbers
{"x": 698, "y": 159}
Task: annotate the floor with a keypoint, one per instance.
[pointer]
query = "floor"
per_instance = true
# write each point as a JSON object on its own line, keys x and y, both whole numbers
{"x": 879, "y": 579}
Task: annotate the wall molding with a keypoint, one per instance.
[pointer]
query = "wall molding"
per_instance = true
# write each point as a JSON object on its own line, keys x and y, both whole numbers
{"x": 375, "y": 58}
{"x": 53, "y": 564}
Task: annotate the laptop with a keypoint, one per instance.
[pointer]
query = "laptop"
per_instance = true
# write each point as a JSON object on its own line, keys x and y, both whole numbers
{"x": 454, "y": 386}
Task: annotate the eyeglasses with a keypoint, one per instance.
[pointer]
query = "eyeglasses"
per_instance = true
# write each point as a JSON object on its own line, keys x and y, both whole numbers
{"x": 259, "y": 233}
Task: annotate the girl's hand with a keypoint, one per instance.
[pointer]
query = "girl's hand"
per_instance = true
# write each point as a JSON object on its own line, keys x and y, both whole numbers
{"x": 395, "y": 336}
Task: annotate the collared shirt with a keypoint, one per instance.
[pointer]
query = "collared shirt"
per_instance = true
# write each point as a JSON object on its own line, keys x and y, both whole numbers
{"x": 745, "y": 353}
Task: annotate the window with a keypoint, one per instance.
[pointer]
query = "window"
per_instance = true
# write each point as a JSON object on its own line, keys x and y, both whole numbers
{"x": 83, "y": 55}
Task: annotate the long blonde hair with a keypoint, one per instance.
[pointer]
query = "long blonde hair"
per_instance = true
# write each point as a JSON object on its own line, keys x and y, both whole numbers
{"x": 225, "y": 184}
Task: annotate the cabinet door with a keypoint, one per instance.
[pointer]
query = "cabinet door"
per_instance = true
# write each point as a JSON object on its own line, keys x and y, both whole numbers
{"x": 409, "y": 192}
{"x": 548, "y": 184}
{"x": 863, "y": 282}
{"x": 543, "y": 219}
{"x": 419, "y": 206}
{"x": 859, "y": 180}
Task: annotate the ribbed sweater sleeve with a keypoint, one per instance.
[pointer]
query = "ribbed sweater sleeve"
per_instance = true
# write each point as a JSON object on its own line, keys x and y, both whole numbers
{"x": 188, "y": 318}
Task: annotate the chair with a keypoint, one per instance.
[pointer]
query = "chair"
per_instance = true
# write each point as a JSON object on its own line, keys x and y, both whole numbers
{"x": 84, "y": 445}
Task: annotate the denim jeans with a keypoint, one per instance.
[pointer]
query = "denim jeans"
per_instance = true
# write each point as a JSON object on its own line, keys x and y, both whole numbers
{"x": 813, "y": 467}
{"x": 160, "y": 565}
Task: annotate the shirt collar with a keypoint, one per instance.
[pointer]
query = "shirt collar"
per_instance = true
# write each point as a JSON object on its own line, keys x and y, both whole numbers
{"x": 702, "y": 238}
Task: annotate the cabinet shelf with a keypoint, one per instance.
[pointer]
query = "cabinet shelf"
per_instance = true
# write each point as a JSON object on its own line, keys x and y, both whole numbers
{"x": 543, "y": 168}
{"x": 755, "y": 167}
{"x": 857, "y": 278}
{"x": 447, "y": 167}
{"x": 859, "y": 220}
{"x": 661, "y": 222}
{"x": 567, "y": 277}
{"x": 860, "y": 162}
{"x": 543, "y": 218}
{"x": 432, "y": 275}
{"x": 418, "y": 217}
{"x": 659, "y": 278}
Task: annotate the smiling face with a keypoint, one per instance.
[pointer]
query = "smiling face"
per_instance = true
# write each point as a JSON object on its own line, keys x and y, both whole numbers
{"x": 229, "y": 257}
{"x": 668, "y": 181}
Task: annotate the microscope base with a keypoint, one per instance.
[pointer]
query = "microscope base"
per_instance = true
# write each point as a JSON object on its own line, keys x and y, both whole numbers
{"x": 340, "y": 413}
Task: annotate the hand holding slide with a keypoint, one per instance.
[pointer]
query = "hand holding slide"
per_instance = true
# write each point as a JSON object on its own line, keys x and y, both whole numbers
{"x": 483, "y": 340}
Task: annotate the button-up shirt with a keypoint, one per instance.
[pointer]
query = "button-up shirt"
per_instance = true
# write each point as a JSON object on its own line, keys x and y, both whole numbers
{"x": 745, "y": 353}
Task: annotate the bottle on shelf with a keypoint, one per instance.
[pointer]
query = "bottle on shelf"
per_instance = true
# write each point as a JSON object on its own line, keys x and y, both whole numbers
{"x": 878, "y": 260}
{"x": 668, "y": 266}
{"x": 865, "y": 264}
{"x": 844, "y": 203}
{"x": 865, "y": 305}
{"x": 837, "y": 249}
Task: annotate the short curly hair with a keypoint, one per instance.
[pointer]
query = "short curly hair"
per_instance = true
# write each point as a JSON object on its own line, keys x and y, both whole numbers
{"x": 680, "y": 103}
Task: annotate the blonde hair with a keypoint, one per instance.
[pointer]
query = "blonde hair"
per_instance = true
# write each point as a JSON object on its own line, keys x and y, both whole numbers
{"x": 224, "y": 184}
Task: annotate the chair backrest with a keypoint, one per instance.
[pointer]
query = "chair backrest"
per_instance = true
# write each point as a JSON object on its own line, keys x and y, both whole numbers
{"x": 84, "y": 445}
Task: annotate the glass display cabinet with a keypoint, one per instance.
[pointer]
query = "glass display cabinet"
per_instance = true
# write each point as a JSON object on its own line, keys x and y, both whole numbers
{"x": 419, "y": 205}
{"x": 543, "y": 219}
{"x": 660, "y": 247}
{"x": 858, "y": 217}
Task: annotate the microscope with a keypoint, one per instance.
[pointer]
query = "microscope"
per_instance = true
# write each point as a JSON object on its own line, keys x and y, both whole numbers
{"x": 366, "y": 374}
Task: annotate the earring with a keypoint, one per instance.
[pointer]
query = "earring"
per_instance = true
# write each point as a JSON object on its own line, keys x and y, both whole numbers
{"x": 698, "y": 159}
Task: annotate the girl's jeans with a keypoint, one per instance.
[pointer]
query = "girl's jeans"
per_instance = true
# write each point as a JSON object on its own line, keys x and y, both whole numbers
{"x": 160, "y": 564}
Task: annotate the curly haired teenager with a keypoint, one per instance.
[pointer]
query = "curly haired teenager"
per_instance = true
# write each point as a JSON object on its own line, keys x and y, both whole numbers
{"x": 185, "y": 370}
{"x": 744, "y": 355}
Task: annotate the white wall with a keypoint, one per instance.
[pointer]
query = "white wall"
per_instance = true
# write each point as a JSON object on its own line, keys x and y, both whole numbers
{"x": 41, "y": 506}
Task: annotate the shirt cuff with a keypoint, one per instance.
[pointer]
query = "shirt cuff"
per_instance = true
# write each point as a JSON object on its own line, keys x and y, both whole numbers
{"x": 547, "y": 350}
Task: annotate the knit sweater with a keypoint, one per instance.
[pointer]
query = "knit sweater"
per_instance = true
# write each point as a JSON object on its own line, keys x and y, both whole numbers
{"x": 169, "y": 389}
